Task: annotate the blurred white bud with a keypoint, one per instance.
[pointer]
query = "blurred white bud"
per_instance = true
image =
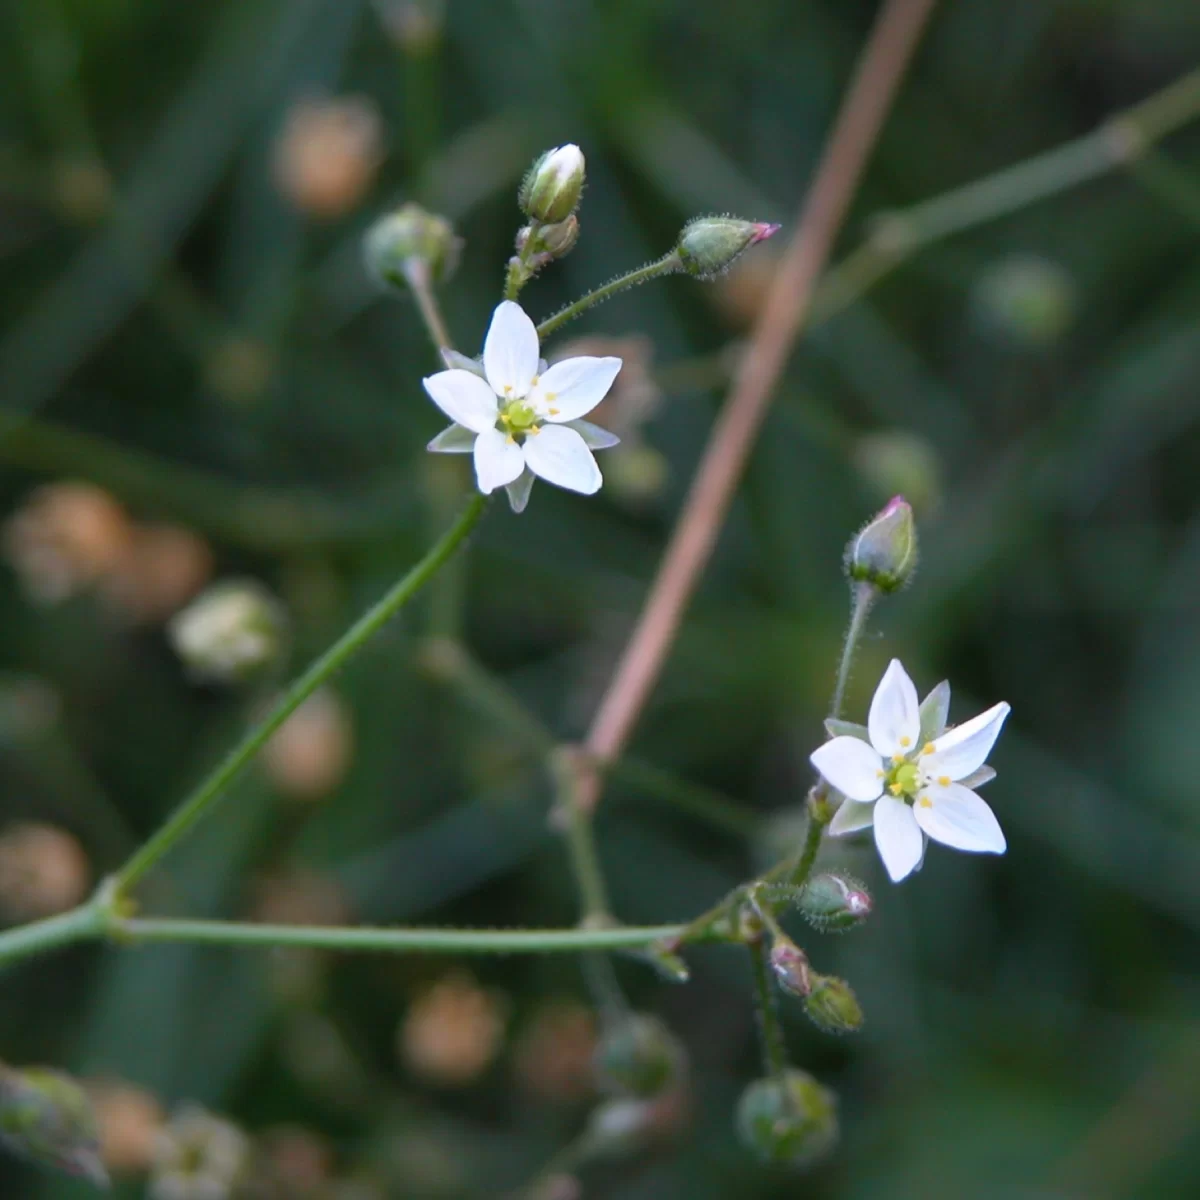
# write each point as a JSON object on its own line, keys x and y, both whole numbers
{"x": 230, "y": 632}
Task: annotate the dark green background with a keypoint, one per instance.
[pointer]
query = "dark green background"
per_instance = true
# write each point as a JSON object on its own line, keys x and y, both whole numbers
{"x": 1031, "y": 1021}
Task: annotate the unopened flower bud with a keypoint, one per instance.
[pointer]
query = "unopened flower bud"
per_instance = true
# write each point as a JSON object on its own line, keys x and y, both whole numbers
{"x": 790, "y": 965}
{"x": 551, "y": 188}
{"x": 229, "y": 632}
{"x": 834, "y": 902}
{"x": 411, "y": 236}
{"x": 46, "y": 1117}
{"x": 832, "y": 1005}
{"x": 559, "y": 239}
{"x": 708, "y": 246}
{"x": 884, "y": 552}
{"x": 640, "y": 1057}
{"x": 790, "y": 1121}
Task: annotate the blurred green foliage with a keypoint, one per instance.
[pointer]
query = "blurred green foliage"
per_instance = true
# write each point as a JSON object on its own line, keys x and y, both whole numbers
{"x": 176, "y": 329}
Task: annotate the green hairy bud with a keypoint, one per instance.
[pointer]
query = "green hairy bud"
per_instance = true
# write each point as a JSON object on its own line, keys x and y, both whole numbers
{"x": 831, "y": 1005}
{"x": 552, "y": 187}
{"x": 47, "y": 1118}
{"x": 709, "y": 246}
{"x": 790, "y": 1121}
{"x": 834, "y": 902}
{"x": 411, "y": 238}
{"x": 884, "y": 552}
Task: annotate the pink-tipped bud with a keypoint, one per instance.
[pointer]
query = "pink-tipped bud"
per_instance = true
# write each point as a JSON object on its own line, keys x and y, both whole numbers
{"x": 834, "y": 902}
{"x": 790, "y": 965}
{"x": 709, "y": 246}
{"x": 884, "y": 552}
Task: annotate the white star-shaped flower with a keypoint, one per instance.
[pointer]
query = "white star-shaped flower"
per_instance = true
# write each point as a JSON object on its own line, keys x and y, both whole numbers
{"x": 910, "y": 777}
{"x": 520, "y": 418}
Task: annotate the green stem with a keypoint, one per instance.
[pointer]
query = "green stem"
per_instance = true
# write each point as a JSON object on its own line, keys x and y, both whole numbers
{"x": 435, "y": 941}
{"x": 77, "y": 925}
{"x": 1120, "y": 141}
{"x": 420, "y": 283}
{"x": 861, "y": 605}
{"x": 206, "y": 795}
{"x": 581, "y": 840}
{"x": 452, "y": 664}
{"x": 774, "y": 1051}
{"x": 798, "y": 875}
{"x": 667, "y": 265}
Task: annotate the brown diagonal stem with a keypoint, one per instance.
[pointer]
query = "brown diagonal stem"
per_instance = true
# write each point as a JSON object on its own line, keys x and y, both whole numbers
{"x": 876, "y": 79}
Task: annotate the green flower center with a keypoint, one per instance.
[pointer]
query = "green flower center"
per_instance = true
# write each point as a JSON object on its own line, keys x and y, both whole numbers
{"x": 518, "y": 417}
{"x": 903, "y": 780}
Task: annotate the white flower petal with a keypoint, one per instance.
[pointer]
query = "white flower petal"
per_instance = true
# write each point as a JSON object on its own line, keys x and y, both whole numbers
{"x": 464, "y": 398}
{"x": 851, "y": 766}
{"x": 518, "y": 491}
{"x": 456, "y": 439}
{"x": 573, "y": 387}
{"x": 894, "y": 720}
{"x": 460, "y": 362}
{"x": 560, "y": 456}
{"x": 594, "y": 438}
{"x": 977, "y": 779}
{"x": 935, "y": 709}
{"x": 965, "y": 748}
{"x": 497, "y": 460}
{"x": 851, "y": 817}
{"x": 510, "y": 351}
{"x": 897, "y": 837}
{"x": 955, "y": 816}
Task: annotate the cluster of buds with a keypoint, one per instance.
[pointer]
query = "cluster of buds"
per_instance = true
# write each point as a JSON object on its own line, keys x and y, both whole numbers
{"x": 830, "y": 901}
{"x": 549, "y": 196}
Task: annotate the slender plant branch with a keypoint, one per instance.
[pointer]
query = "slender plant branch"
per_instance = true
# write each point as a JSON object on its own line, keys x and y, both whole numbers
{"x": 864, "y": 596}
{"x": 451, "y": 663}
{"x": 773, "y": 1047}
{"x": 365, "y": 628}
{"x": 420, "y": 283}
{"x": 877, "y": 77}
{"x": 667, "y": 265}
{"x": 1123, "y": 140}
{"x": 78, "y": 925}
{"x": 435, "y": 941}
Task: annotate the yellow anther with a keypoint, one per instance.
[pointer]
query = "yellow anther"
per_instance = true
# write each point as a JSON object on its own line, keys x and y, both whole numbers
{"x": 927, "y": 748}
{"x": 554, "y": 412}
{"x": 925, "y": 802}
{"x": 535, "y": 381}
{"x": 551, "y": 397}
{"x": 879, "y": 774}
{"x": 896, "y": 789}
{"x": 507, "y": 388}
{"x": 534, "y": 429}
{"x": 512, "y": 441}
{"x": 944, "y": 780}
{"x": 906, "y": 741}
{"x": 897, "y": 759}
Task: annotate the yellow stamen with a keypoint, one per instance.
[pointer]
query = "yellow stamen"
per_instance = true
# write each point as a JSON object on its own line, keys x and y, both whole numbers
{"x": 897, "y": 759}
{"x": 944, "y": 780}
{"x": 551, "y": 397}
{"x": 896, "y": 789}
{"x": 925, "y": 802}
{"x": 535, "y": 381}
{"x": 507, "y": 388}
{"x": 927, "y": 748}
{"x": 906, "y": 741}
{"x": 554, "y": 412}
{"x": 512, "y": 441}
{"x": 880, "y": 774}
